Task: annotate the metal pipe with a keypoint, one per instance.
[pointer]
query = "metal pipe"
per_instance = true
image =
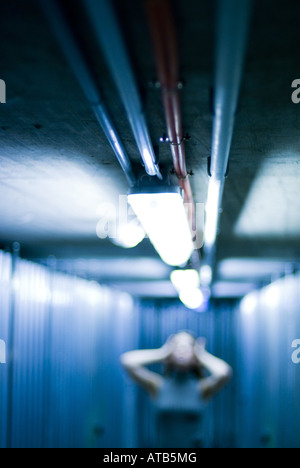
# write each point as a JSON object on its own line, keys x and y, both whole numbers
{"x": 77, "y": 61}
{"x": 232, "y": 29}
{"x": 107, "y": 31}
{"x": 167, "y": 61}
{"x": 231, "y": 41}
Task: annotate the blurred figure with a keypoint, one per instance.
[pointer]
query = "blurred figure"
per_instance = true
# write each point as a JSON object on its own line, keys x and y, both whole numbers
{"x": 181, "y": 393}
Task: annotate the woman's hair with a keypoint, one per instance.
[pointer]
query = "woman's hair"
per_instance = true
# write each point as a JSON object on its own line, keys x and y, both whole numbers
{"x": 194, "y": 369}
{"x": 187, "y": 332}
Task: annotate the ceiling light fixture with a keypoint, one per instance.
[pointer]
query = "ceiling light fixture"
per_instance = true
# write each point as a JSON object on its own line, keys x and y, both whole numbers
{"x": 206, "y": 275}
{"x": 161, "y": 211}
{"x": 250, "y": 303}
{"x": 183, "y": 279}
{"x": 212, "y": 209}
{"x": 187, "y": 284}
{"x": 192, "y": 298}
{"x": 129, "y": 235}
{"x": 2, "y": 352}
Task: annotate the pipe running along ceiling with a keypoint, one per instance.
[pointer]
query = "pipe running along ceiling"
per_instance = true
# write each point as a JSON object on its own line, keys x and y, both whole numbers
{"x": 59, "y": 179}
{"x": 232, "y": 25}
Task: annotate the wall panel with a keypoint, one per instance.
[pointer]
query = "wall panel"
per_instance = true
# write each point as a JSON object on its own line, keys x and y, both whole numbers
{"x": 5, "y": 305}
{"x": 261, "y": 406}
{"x": 63, "y": 385}
{"x": 269, "y": 321}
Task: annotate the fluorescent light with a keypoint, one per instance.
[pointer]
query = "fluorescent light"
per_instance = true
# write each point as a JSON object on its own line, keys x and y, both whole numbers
{"x": 212, "y": 212}
{"x": 163, "y": 217}
{"x": 183, "y": 279}
{"x": 206, "y": 275}
{"x": 255, "y": 269}
{"x": 187, "y": 284}
{"x": 231, "y": 289}
{"x": 129, "y": 235}
{"x": 192, "y": 298}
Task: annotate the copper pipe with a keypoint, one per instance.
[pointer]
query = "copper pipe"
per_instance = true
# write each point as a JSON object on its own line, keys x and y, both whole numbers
{"x": 163, "y": 33}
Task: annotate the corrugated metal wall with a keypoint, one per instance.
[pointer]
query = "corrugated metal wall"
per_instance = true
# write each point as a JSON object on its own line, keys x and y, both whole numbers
{"x": 62, "y": 385}
{"x": 261, "y": 405}
{"x": 269, "y": 381}
{"x": 5, "y": 304}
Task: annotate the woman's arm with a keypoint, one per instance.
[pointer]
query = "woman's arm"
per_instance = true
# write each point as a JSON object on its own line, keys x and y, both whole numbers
{"x": 220, "y": 371}
{"x": 135, "y": 363}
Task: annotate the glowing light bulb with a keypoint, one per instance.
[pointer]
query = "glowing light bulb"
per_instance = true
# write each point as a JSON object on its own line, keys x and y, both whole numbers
{"x": 163, "y": 217}
{"x": 184, "y": 279}
{"x": 129, "y": 235}
{"x": 192, "y": 298}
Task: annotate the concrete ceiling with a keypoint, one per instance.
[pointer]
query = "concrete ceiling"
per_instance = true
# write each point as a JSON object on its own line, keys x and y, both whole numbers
{"x": 58, "y": 173}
